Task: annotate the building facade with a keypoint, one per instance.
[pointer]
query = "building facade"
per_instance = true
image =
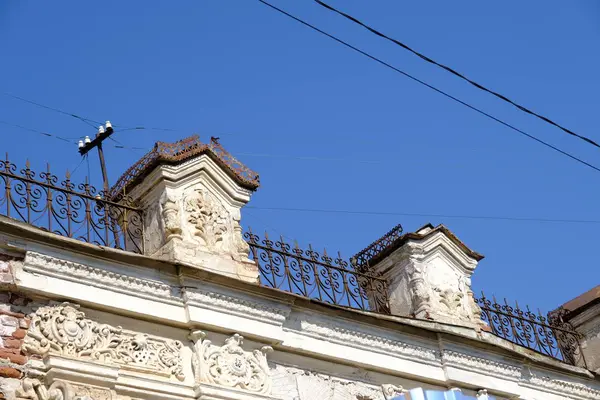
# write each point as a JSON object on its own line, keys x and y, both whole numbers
{"x": 153, "y": 291}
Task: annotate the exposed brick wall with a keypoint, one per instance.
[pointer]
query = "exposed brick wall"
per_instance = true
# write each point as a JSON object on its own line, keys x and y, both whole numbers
{"x": 13, "y": 327}
{"x": 6, "y": 278}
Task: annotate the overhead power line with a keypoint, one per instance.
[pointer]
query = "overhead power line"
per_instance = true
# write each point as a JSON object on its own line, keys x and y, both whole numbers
{"x": 120, "y": 145}
{"x": 70, "y": 140}
{"x": 61, "y": 138}
{"x": 87, "y": 121}
{"x": 458, "y": 74}
{"x": 385, "y": 213}
{"x": 406, "y": 74}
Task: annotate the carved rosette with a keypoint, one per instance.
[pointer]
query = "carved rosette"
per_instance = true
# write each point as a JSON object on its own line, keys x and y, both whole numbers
{"x": 230, "y": 365}
{"x": 64, "y": 330}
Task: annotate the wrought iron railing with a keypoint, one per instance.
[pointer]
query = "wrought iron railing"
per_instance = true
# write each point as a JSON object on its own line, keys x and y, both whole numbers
{"x": 361, "y": 260}
{"x": 546, "y": 335}
{"x": 76, "y": 211}
{"x": 81, "y": 212}
{"x": 317, "y": 276}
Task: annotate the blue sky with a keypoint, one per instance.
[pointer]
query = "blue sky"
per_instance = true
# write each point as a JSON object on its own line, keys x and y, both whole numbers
{"x": 278, "y": 93}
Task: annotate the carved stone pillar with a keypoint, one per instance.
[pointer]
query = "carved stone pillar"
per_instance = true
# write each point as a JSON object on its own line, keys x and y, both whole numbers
{"x": 429, "y": 277}
{"x": 192, "y": 194}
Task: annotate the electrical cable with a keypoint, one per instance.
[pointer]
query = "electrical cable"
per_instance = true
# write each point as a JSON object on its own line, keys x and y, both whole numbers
{"x": 455, "y": 73}
{"x": 85, "y": 120}
{"x": 78, "y": 165}
{"x": 88, "y": 170}
{"x": 120, "y": 145}
{"x": 64, "y": 139}
{"x": 384, "y": 213}
{"x": 522, "y": 132}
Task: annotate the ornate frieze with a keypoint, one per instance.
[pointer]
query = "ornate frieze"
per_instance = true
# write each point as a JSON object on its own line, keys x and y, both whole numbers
{"x": 64, "y": 330}
{"x": 230, "y": 365}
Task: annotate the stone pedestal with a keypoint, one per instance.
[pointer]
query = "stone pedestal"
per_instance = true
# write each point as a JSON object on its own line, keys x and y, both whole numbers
{"x": 192, "y": 211}
{"x": 429, "y": 277}
{"x": 583, "y": 315}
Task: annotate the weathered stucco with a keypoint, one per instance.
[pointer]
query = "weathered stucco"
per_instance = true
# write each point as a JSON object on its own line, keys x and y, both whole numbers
{"x": 158, "y": 329}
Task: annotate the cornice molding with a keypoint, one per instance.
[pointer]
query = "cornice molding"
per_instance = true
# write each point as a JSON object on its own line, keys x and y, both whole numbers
{"x": 370, "y": 342}
{"x": 80, "y": 273}
{"x": 481, "y": 365}
{"x": 560, "y": 387}
{"x": 237, "y": 305}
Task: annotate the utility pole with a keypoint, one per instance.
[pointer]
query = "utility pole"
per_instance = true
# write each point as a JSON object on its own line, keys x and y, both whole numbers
{"x": 85, "y": 146}
{"x": 104, "y": 133}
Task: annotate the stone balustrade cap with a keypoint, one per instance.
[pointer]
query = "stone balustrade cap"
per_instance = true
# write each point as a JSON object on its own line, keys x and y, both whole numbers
{"x": 179, "y": 152}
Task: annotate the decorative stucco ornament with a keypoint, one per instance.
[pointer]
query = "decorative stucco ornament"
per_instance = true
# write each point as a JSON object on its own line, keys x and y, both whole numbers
{"x": 482, "y": 394}
{"x": 63, "y": 329}
{"x": 241, "y": 248}
{"x": 392, "y": 391}
{"x": 209, "y": 219}
{"x": 311, "y": 385}
{"x": 230, "y": 365}
{"x": 170, "y": 214}
{"x": 34, "y": 389}
{"x": 421, "y": 299}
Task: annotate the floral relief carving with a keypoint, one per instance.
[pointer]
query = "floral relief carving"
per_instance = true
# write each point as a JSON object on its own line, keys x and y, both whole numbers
{"x": 449, "y": 298}
{"x": 209, "y": 219}
{"x": 230, "y": 365}
{"x": 64, "y": 330}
